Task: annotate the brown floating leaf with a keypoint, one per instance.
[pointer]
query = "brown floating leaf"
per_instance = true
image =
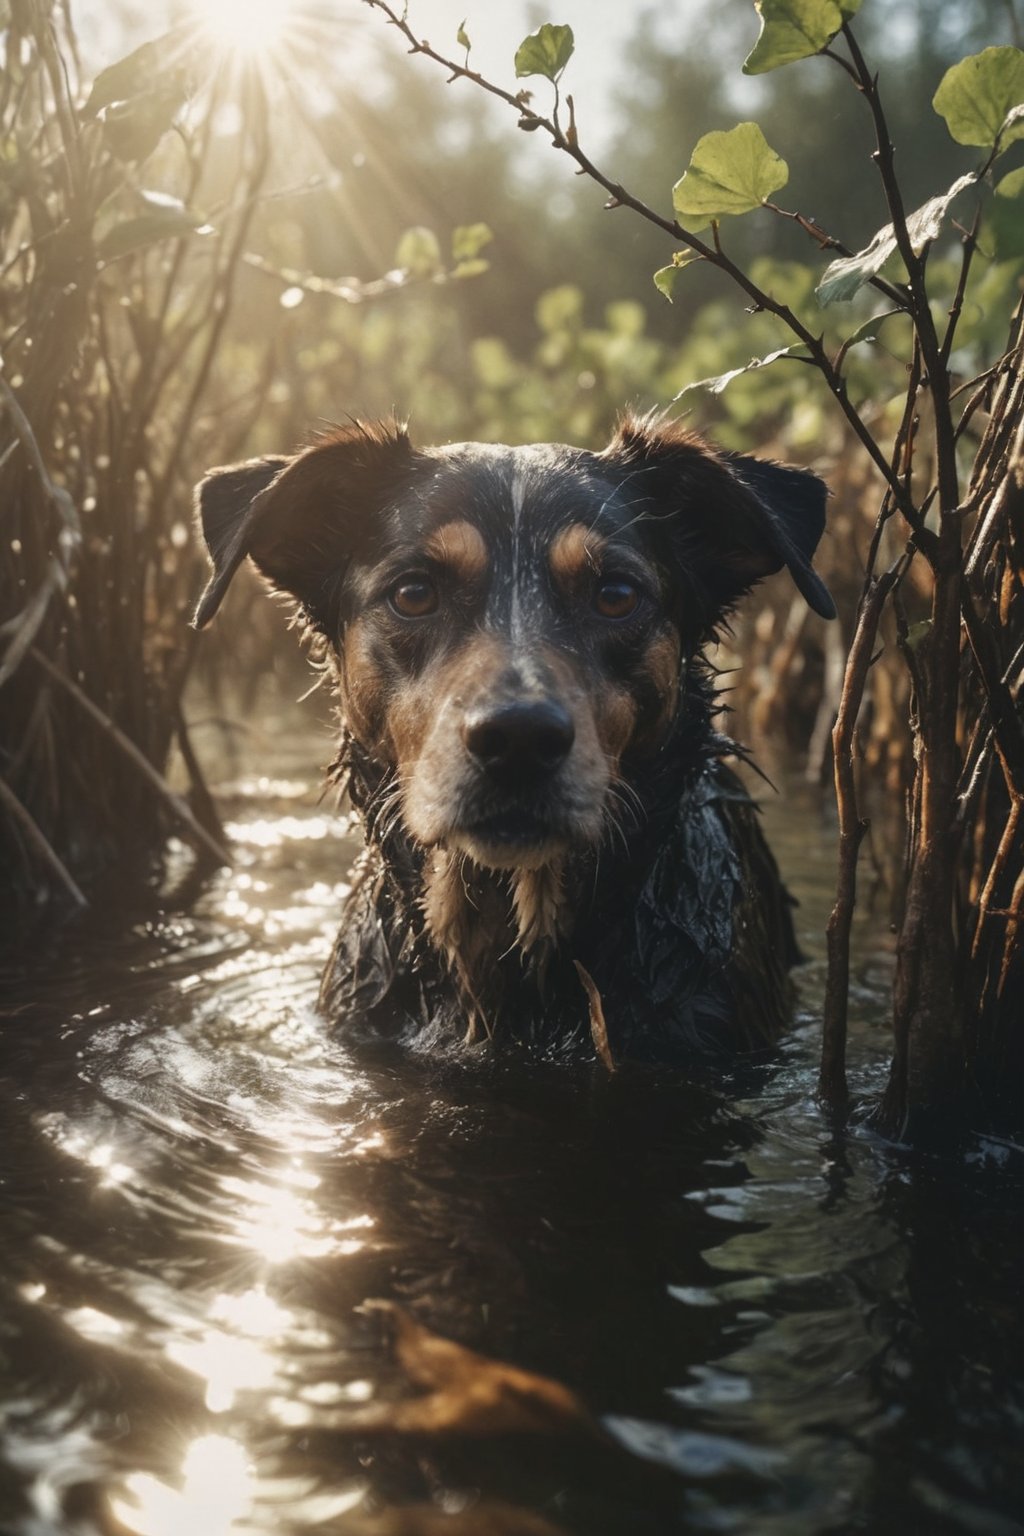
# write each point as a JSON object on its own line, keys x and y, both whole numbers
{"x": 598, "y": 1027}
{"x": 470, "y": 1394}
{"x": 480, "y": 1520}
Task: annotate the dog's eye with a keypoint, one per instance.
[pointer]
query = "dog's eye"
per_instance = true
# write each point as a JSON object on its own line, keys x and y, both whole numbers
{"x": 414, "y": 597}
{"x": 615, "y": 598}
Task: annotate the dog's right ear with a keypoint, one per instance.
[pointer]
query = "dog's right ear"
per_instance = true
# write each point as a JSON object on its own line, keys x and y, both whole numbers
{"x": 301, "y": 519}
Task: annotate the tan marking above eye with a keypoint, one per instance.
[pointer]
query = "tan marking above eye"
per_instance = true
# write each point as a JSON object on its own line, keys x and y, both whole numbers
{"x": 575, "y": 554}
{"x": 461, "y": 547}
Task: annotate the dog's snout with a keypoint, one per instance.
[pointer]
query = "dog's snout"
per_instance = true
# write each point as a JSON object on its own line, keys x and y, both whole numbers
{"x": 528, "y": 736}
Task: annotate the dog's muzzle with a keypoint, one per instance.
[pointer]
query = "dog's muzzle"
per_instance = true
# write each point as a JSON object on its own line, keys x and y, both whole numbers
{"x": 516, "y": 812}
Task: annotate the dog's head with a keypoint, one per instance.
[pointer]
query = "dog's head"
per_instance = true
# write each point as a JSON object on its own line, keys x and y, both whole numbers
{"x": 511, "y": 624}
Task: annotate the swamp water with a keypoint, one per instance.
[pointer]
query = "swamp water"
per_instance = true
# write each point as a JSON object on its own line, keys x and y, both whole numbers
{"x": 773, "y": 1329}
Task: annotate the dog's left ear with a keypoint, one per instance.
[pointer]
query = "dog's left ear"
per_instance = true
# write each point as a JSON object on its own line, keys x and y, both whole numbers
{"x": 744, "y": 517}
{"x": 300, "y": 519}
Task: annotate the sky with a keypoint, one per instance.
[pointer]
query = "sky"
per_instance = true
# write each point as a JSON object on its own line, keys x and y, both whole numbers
{"x": 601, "y": 29}
{"x": 496, "y": 28}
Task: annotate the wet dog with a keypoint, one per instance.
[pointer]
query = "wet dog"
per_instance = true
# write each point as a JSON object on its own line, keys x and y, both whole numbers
{"x": 554, "y": 845}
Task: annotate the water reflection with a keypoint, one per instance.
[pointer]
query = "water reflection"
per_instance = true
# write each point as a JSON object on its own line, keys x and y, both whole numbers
{"x": 781, "y": 1330}
{"x": 241, "y": 1357}
{"x": 216, "y": 1491}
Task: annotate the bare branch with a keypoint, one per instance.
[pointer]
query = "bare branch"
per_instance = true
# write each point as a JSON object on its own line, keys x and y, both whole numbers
{"x": 39, "y": 843}
{"x": 174, "y": 803}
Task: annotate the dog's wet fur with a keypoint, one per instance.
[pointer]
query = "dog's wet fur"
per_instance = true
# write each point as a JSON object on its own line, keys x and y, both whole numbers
{"x": 517, "y": 636}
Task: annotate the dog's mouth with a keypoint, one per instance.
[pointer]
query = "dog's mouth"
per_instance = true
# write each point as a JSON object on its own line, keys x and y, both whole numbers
{"x": 511, "y": 837}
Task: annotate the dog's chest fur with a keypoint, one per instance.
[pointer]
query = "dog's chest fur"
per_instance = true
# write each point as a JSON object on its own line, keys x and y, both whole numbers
{"x": 684, "y": 927}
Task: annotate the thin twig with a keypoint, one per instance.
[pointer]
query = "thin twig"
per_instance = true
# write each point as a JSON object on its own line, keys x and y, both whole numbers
{"x": 56, "y": 494}
{"x": 39, "y": 842}
{"x": 832, "y": 1083}
{"x": 174, "y": 802}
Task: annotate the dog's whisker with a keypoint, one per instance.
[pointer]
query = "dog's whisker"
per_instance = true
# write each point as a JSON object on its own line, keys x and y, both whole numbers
{"x": 614, "y": 829}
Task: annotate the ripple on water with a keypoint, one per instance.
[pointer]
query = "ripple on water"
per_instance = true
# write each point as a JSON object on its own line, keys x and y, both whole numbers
{"x": 782, "y": 1330}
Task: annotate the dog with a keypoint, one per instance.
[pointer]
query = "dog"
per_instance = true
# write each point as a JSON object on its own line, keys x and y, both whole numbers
{"x": 555, "y": 851}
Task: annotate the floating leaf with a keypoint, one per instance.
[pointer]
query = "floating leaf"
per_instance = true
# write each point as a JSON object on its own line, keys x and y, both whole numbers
{"x": 665, "y": 278}
{"x": 720, "y": 381}
{"x": 419, "y": 252}
{"x": 729, "y": 172}
{"x": 978, "y": 95}
{"x": 545, "y": 52}
{"x": 845, "y": 277}
{"x": 795, "y": 29}
{"x": 1006, "y": 217}
{"x": 462, "y": 37}
{"x": 468, "y": 240}
{"x": 463, "y": 1393}
{"x": 165, "y": 218}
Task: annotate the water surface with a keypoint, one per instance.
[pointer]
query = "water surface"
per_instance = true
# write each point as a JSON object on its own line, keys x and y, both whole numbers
{"x": 770, "y": 1328}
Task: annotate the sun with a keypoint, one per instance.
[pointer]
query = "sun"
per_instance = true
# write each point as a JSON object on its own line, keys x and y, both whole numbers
{"x": 244, "y": 26}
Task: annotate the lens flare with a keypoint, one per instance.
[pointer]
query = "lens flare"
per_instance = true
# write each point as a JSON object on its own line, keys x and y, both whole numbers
{"x": 244, "y": 26}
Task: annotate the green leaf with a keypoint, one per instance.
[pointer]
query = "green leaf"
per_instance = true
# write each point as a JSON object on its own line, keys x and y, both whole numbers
{"x": 138, "y": 98}
{"x": 794, "y": 29}
{"x": 133, "y": 128}
{"x": 135, "y": 74}
{"x": 462, "y": 37}
{"x": 870, "y": 329}
{"x": 165, "y": 218}
{"x": 845, "y": 277}
{"x": 625, "y": 317}
{"x": 925, "y": 224}
{"x": 720, "y": 381}
{"x": 419, "y": 252}
{"x": 665, "y": 278}
{"x": 473, "y": 266}
{"x": 977, "y": 96}
{"x": 729, "y": 173}
{"x": 559, "y": 309}
{"x": 468, "y": 240}
{"x": 545, "y": 52}
{"x": 1006, "y": 217}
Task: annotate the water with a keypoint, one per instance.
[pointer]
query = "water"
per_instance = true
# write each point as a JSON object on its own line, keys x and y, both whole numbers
{"x": 771, "y": 1328}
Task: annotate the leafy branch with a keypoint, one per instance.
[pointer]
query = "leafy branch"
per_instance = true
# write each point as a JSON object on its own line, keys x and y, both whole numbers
{"x": 620, "y": 196}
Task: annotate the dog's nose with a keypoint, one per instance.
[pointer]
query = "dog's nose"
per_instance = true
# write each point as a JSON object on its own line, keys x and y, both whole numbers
{"x": 530, "y": 737}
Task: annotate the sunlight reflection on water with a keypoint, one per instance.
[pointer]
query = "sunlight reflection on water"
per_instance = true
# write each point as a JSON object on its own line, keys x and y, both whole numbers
{"x": 221, "y": 1494}
{"x": 272, "y": 832}
{"x": 214, "y": 1189}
